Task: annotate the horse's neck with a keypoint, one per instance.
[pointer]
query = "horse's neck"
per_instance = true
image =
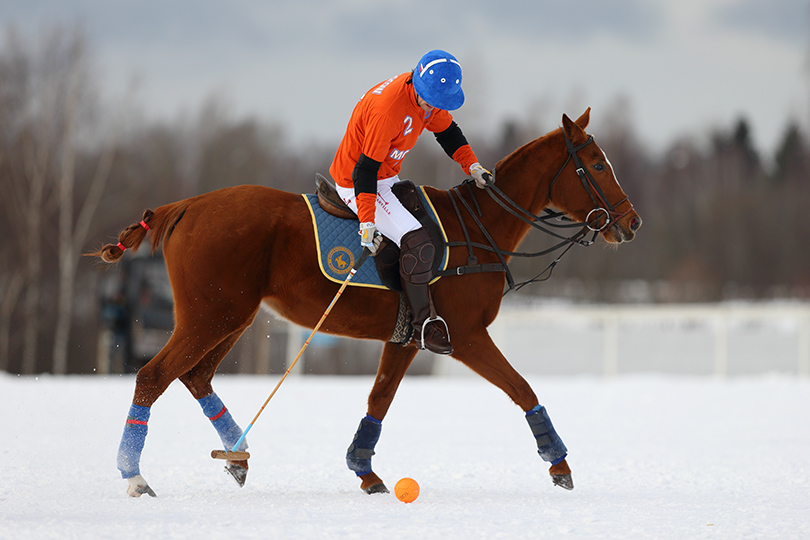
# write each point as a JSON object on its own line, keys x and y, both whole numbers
{"x": 523, "y": 176}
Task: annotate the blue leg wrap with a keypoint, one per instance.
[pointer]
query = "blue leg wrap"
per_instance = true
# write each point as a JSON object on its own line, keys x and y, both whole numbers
{"x": 549, "y": 444}
{"x": 358, "y": 456}
{"x": 129, "y": 451}
{"x": 222, "y": 421}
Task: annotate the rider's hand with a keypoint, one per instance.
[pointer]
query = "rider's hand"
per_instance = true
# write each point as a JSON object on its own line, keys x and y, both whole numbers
{"x": 369, "y": 237}
{"x": 481, "y": 176}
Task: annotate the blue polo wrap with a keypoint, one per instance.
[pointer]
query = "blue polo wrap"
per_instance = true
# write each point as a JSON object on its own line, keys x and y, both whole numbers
{"x": 229, "y": 432}
{"x": 549, "y": 444}
{"x": 358, "y": 456}
{"x": 129, "y": 451}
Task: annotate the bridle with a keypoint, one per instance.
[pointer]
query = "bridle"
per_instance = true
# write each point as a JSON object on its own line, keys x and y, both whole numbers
{"x": 602, "y": 210}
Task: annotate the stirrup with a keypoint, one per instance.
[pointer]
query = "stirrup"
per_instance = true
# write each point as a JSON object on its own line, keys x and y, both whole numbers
{"x": 434, "y": 318}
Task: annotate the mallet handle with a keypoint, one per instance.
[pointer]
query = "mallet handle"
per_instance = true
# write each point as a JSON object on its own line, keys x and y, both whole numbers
{"x": 360, "y": 260}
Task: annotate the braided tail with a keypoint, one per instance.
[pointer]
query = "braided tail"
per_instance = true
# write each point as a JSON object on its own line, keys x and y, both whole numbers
{"x": 161, "y": 222}
{"x": 129, "y": 238}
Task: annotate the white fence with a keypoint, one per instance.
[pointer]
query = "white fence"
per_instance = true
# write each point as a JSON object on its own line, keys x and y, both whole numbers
{"x": 710, "y": 339}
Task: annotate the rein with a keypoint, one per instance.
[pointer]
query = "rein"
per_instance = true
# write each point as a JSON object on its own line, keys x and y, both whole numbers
{"x": 602, "y": 210}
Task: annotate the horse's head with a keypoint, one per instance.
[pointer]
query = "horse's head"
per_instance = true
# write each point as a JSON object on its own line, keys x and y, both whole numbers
{"x": 586, "y": 190}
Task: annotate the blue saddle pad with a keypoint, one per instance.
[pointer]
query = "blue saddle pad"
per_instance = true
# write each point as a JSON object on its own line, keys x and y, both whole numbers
{"x": 339, "y": 244}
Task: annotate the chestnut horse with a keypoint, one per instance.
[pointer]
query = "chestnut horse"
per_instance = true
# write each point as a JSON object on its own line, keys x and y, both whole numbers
{"x": 231, "y": 250}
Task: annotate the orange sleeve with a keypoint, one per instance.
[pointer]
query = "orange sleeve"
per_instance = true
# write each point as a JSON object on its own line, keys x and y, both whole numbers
{"x": 366, "y": 207}
{"x": 465, "y": 157}
{"x": 439, "y": 121}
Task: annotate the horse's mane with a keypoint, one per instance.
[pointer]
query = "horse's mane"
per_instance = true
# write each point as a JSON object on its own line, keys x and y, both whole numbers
{"x": 530, "y": 148}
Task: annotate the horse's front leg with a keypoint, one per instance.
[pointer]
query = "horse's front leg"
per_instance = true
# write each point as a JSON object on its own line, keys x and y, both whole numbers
{"x": 393, "y": 365}
{"x": 480, "y": 354}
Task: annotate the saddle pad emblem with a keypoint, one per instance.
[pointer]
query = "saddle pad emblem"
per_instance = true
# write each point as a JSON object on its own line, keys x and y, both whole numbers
{"x": 340, "y": 260}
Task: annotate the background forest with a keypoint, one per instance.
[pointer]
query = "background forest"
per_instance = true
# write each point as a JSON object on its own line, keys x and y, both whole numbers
{"x": 721, "y": 221}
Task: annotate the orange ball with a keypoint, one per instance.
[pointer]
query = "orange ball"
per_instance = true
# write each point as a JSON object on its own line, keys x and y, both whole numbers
{"x": 407, "y": 490}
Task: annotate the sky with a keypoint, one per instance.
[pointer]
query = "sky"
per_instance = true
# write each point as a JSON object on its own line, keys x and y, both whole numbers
{"x": 680, "y": 67}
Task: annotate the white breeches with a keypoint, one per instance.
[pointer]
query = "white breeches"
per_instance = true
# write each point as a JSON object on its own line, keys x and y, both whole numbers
{"x": 391, "y": 218}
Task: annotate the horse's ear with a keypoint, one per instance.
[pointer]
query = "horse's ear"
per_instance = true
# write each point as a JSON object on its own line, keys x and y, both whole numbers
{"x": 575, "y": 131}
{"x": 585, "y": 119}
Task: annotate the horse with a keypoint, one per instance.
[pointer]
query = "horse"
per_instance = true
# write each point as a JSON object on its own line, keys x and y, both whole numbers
{"x": 230, "y": 251}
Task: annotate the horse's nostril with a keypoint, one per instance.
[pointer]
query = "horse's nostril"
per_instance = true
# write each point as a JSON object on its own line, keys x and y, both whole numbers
{"x": 635, "y": 223}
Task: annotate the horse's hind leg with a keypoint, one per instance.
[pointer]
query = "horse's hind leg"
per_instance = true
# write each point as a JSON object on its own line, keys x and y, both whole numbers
{"x": 180, "y": 355}
{"x": 481, "y": 355}
{"x": 393, "y": 365}
{"x": 198, "y": 382}
{"x": 176, "y": 357}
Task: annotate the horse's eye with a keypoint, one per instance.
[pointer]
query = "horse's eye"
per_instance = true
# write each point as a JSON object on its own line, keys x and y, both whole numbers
{"x": 599, "y": 166}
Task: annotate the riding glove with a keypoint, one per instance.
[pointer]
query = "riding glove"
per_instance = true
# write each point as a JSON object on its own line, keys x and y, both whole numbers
{"x": 369, "y": 237}
{"x": 481, "y": 176}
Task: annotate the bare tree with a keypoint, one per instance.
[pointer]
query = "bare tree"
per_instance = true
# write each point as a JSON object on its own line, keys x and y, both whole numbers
{"x": 40, "y": 134}
{"x": 29, "y": 130}
{"x": 73, "y": 234}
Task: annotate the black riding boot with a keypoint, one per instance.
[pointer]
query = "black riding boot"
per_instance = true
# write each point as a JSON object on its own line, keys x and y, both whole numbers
{"x": 416, "y": 271}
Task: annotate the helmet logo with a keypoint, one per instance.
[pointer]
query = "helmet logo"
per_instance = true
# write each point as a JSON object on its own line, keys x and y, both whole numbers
{"x": 422, "y": 68}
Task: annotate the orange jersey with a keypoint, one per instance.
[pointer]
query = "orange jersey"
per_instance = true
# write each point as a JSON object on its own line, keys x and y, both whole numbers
{"x": 384, "y": 126}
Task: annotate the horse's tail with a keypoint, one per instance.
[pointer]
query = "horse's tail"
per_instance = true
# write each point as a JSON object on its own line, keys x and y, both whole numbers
{"x": 160, "y": 222}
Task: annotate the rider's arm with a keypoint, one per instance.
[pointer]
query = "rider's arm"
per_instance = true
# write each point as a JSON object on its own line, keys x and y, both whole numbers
{"x": 364, "y": 177}
{"x": 455, "y": 145}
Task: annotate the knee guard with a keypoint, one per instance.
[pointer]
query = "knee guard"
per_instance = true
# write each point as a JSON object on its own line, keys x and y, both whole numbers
{"x": 358, "y": 456}
{"x": 416, "y": 259}
{"x": 549, "y": 444}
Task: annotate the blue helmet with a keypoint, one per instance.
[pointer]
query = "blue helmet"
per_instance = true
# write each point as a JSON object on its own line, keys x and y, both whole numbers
{"x": 437, "y": 80}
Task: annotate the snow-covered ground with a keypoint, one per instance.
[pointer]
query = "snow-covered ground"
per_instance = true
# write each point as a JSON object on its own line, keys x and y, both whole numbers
{"x": 653, "y": 457}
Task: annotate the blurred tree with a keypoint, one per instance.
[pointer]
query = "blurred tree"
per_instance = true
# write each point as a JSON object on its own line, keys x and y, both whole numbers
{"x": 29, "y": 132}
{"x": 75, "y": 215}
{"x": 792, "y": 158}
{"x": 735, "y": 160}
{"x": 48, "y": 90}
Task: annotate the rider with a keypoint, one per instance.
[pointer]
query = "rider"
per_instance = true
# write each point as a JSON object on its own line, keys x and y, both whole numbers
{"x": 383, "y": 128}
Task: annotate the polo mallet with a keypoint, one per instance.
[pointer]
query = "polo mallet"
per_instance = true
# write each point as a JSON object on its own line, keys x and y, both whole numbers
{"x": 236, "y": 455}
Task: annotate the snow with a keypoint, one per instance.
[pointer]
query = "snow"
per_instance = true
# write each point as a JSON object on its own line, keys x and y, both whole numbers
{"x": 653, "y": 456}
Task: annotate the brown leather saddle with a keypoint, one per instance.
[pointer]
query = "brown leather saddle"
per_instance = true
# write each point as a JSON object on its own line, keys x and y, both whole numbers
{"x": 387, "y": 258}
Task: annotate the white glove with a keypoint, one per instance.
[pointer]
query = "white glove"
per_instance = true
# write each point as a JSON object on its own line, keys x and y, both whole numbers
{"x": 369, "y": 237}
{"x": 481, "y": 176}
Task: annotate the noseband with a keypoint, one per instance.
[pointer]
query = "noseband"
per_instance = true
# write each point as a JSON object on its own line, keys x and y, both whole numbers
{"x": 602, "y": 209}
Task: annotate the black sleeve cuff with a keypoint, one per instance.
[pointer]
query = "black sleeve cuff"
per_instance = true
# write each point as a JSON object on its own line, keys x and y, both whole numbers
{"x": 364, "y": 175}
{"x": 451, "y": 139}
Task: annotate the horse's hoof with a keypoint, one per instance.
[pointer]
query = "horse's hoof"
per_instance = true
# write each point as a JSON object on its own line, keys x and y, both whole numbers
{"x": 377, "y": 488}
{"x": 238, "y": 470}
{"x": 563, "y": 480}
{"x": 371, "y": 483}
{"x": 561, "y": 475}
{"x": 138, "y": 486}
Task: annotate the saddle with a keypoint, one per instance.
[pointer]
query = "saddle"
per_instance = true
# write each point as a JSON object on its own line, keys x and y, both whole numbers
{"x": 387, "y": 258}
